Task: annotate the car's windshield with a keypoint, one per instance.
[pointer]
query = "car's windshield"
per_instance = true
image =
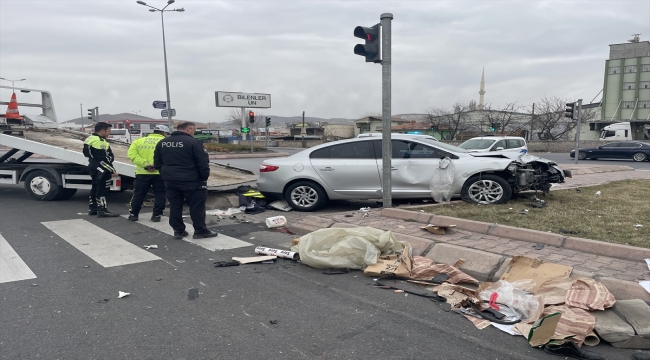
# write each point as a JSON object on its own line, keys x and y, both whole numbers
{"x": 477, "y": 144}
{"x": 441, "y": 145}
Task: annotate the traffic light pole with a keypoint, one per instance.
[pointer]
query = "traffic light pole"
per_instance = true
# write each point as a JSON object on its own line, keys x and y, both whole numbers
{"x": 578, "y": 130}
{"x": 386, "y": 151}
{"x": 243, "y": 122}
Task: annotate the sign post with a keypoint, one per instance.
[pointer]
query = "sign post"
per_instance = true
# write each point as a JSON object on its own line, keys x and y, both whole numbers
{"x": 243, "y": 101}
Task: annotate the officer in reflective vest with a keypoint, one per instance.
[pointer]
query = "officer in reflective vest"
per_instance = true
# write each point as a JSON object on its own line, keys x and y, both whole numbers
{"x": 100, "y": 166}
{"x": 185, "y": 167}
{"x": 146, "y": 176}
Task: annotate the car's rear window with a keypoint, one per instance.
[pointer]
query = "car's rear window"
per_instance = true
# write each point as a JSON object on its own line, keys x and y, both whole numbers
{"x": 476, "y": 144}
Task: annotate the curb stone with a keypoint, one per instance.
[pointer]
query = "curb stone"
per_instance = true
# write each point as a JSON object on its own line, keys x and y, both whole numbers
{"x": 625, "y": 252}
{"x": 247, "y": 156}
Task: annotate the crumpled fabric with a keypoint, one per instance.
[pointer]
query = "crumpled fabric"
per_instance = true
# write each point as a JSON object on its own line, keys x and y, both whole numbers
{"x": 426, "y": 269}
{"x": 352, "y": 248}
{"x": 589, "y": 294}
{"x": 442, "y": 181}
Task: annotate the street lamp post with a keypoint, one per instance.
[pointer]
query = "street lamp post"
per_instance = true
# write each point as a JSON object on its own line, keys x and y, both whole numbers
{"x": 12, "y": 81}
{"x": 162, "y": 11}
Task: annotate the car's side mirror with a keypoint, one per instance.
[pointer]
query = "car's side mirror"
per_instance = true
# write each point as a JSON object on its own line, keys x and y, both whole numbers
{"x": 600, "y": 147}
{"x": 499, "y": 148}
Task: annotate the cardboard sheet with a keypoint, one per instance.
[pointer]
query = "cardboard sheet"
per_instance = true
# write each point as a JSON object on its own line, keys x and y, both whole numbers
{"x": 542, "y": 331}
{"x": 521, "y": 267}
{"x": 437, "y": 229}
{"x": 254, "y": 259}
{"x": 392, "y": 265}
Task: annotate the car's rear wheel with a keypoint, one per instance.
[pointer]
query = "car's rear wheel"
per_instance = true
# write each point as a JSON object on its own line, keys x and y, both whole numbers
{"x": 582, "y": 155}
{"x": 486, "y": 189}
{"x": 305, "y": 196}
{"x": 640, "y": 157}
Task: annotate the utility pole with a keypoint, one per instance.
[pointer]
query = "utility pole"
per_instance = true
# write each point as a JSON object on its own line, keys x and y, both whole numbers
{"x": 386, "y": 151}
{"x": 303, "y": 131}
{"x": 532, "y": 122}
{"x": 578, "y": 130}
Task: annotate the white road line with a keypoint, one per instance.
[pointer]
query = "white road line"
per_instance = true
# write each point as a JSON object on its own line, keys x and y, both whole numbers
{"x": 12, "y": 267}
{"x": 100, "y": 245}
{"x": 221, "y": 242}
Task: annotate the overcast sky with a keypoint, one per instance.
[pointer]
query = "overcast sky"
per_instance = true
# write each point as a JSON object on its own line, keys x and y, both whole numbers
{"x": 108, "y": 53}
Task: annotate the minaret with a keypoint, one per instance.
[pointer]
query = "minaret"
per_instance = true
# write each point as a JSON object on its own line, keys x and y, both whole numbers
{"x": 481, "y": 92}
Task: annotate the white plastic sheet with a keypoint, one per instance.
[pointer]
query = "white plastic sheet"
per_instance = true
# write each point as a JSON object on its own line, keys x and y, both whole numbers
{"x": 515, "y": 295}
{"x": 353, "y": 248}
{"x": 442, "y": 182}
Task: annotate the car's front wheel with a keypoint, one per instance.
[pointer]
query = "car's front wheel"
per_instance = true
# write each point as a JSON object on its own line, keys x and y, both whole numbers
{"x": 486, "y": 189}
{"x": 582, "y": 155}
{"x": 305, "y": 196}
{"x": 640, "y": 157}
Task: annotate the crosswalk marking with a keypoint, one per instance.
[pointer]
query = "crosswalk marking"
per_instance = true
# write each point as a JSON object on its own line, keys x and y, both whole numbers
{"x": 100, "y": 245}
{"x": 12, "y": 267}
{"x": 221, "y": 242}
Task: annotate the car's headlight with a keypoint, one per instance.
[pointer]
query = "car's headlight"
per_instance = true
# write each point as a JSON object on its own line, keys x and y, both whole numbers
{"x": 512, "y": 167}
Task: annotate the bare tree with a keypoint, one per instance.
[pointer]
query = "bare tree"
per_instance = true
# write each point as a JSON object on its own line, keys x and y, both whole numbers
{"x": 450, "y": 121}
{"x": 233, "y": 118}
{"x": 509, "y": 119}
{"x": 551, "y": 124}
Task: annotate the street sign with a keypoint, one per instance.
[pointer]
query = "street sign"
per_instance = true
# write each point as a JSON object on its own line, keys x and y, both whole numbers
{"x": 164, "y": 113}
{"x": 159, "y": 104}
{"x": 242, "y": 100}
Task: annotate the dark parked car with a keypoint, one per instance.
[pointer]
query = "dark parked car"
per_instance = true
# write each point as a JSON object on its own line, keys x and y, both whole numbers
{"x": 635, "y": 150}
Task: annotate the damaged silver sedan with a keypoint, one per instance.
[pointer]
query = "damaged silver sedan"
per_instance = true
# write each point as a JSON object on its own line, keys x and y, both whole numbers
{"x": 352, "y": 169}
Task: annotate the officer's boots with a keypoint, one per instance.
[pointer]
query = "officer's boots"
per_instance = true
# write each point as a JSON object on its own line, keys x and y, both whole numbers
{"x": 102, "y": 211}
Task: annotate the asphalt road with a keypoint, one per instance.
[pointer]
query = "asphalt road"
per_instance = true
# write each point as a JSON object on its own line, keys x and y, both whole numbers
{"x": 287, "y": 310}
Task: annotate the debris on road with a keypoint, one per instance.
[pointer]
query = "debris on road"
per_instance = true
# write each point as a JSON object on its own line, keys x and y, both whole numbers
{"x": 284, "y": 254}
{"x": 151, "y": 247}
{"x": 335, "y": 271}
{"x": 180, "y": 261}
{"x": 437, "y": 229}
{"x": 193, "y": 294}
{"x": 121, "y": 294}
{"x": 538, "y": 246}
{"x": 226, "y": 263}
{"x": 102, "y": 301}
{"x": 276, "y": 221}
{"x": 364, "y": 210}
{"x": 283, "y": 230}
{"x": 281, "y": 205}
{"x": 295, "y": 242}
{"x": 524, "y": 212}
{"x": 229, "y": 212}
{"x": 274, "y": 322}
{"x": 254, "y": 259}
{"x": 598, "y": 193}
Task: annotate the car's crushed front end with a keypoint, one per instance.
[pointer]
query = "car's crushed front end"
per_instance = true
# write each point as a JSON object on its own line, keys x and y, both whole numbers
{"x": 530, "y": 172}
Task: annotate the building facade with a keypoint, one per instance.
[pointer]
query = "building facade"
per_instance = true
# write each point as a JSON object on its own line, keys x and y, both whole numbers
{"x": 626, "y": 88}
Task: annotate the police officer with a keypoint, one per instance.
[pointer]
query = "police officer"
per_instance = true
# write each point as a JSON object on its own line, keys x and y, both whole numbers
{"x": 146, "y": 176}
{"x": 185, "y": 167}
{"x": 100, "y": 166}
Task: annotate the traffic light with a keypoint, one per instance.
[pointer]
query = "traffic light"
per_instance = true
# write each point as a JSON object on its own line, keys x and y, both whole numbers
{"x": 493, "y": 127}
{"x": 570, "y": 107}
{"x": 251, "y": 117}
{"x": 91, "y": 114}
{"x": 245, "y": 130}
{"x": 372, "y": 49}
{"x": 433, "y": 128}
{"x": 268, "y": 121}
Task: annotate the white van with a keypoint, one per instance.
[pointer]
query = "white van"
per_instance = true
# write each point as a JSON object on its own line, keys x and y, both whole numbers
{"x": 125, "y": 135}
{"x": 496, "y": 144}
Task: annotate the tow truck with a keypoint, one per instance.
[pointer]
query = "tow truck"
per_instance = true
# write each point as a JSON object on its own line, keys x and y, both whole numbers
{"x": 49, "y": 161}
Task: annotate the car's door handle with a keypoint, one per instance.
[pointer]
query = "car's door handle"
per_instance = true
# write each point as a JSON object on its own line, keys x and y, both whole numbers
{"x": 392, "y": 168}
{"x": 327, "y": 169}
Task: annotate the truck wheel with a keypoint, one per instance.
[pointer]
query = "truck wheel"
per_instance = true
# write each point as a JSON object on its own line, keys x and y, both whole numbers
{"x": 640, "y": 157}
{"x": 305, "y": 196}
{"x": 486, "y": 189}
{"x": 40, "y": 185}
{"x": 65, "y": 194}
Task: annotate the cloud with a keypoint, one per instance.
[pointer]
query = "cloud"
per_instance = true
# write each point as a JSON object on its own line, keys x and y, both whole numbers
{"x": 109, "y": 53}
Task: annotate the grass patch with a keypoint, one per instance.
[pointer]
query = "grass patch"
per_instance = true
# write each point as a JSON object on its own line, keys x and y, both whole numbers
{"x": 610, "y": 217}
{"x": 231, "y": 148}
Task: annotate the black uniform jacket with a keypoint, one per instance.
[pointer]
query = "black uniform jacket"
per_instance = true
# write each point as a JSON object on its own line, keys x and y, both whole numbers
{"x": 181, "y": 158}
